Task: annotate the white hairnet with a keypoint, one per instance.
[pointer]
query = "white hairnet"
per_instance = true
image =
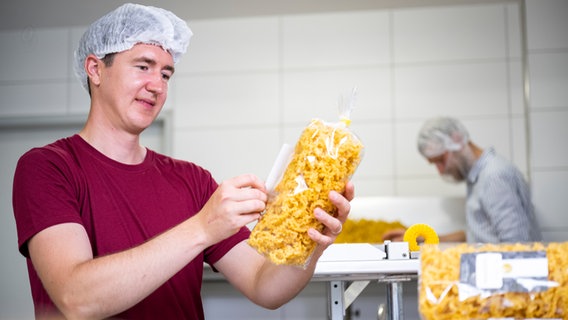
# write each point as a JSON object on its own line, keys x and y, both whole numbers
{"x": 128, "y": 25}
{"x": 442, "y": 134}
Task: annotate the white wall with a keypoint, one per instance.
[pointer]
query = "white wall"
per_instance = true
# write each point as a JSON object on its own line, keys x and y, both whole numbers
{"x": 252, "y": 84}
{"x": 247, "y": 85}
{"x": 547, "y": 55}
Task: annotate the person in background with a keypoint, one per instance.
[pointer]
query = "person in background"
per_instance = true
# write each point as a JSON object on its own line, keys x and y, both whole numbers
{"x": 111, "y": 229}
{"x": 498, "y": 201}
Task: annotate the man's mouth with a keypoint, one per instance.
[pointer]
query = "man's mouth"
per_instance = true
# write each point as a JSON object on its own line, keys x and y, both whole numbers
{"x": 148, "y": 102}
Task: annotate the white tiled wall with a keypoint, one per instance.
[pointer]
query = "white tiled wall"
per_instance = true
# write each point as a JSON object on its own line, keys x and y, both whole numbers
{"x": 31, "y": 54}
{"x": 547, "y": 42}
{"x": 449, "y": 34}
{"x": 337, "y": 39}
{"x": 247, "y": 85}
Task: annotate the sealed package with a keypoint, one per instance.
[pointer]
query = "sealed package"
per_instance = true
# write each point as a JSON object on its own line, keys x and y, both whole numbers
{"x": 324, "y": 159}
{"x": 494, "y": 281}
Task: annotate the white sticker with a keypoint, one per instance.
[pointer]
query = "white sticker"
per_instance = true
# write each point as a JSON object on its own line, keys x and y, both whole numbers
{"x": 525, "y": 268}
{"x": 489, "y": 271}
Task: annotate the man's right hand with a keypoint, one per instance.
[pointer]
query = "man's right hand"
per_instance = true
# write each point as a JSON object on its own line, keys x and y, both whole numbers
{"x": 236, "y": 202}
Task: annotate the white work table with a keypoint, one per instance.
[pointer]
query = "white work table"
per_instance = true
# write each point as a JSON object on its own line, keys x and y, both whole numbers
{"x": 349, "y": 268}
{"x": 352, "y": 260}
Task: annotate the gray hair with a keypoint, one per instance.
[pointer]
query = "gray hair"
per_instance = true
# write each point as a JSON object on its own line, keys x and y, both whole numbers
{"x": 442, "y": 134}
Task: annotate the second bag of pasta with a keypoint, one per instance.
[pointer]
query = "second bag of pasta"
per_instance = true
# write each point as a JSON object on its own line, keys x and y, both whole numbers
{"x": 324, "y": 158}
{"x": 494, "y": 281}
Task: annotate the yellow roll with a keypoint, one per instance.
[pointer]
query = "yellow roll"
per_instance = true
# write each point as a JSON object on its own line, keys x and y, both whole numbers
{"x": 420, "y": 230}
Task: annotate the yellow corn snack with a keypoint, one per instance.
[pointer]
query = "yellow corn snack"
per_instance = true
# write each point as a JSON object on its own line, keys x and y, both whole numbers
{"x": 493, "y": 281}
{"x": 324, "y": 158}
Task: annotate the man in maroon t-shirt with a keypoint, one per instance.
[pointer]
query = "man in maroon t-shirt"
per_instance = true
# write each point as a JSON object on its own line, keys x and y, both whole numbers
{"x": 112, "y": 229}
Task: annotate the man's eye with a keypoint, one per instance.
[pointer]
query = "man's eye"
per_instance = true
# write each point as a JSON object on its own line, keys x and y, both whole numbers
{"x": 166, "y": 76}
{"x": 144, "y": 68}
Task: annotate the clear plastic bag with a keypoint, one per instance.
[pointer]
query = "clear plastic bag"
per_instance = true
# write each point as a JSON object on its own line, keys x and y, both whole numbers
{"x": 324, "y": 159}
{"x": 494, "y": 281}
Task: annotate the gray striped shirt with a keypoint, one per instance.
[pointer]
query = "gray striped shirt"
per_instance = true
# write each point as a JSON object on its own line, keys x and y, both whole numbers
{"x": 498, "y": 206}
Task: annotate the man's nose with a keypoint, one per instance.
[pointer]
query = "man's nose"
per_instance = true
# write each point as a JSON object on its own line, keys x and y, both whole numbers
{"x": 156, "y": 84}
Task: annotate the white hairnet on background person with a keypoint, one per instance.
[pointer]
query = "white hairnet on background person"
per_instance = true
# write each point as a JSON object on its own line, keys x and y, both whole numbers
{"x": 442, "y": 134}
{"x": 128, "y": 25}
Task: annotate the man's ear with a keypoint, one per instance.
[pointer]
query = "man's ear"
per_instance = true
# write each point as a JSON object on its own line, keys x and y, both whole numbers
{"x": 93, "y": 68}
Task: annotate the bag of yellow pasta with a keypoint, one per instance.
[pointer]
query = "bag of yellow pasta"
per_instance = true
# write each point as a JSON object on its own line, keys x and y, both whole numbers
{"x": 494, "y": 281}
{"x": 324, "y": 158}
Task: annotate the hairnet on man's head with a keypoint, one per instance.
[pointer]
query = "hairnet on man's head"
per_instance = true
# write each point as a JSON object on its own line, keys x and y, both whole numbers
{"x": 442, "y": 134}
{"x": 128, "y": 25}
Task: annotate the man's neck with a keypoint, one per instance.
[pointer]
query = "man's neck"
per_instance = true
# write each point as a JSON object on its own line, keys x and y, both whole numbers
{"x": 121, "y": 147}
{"x": 477, "y": 151}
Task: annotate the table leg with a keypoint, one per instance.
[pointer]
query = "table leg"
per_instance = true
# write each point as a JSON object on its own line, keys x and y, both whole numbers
{"x": 394, "y": 301}
{"x": 336, "y": 300}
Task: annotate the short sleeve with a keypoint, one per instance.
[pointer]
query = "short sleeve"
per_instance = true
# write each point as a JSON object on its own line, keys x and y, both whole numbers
{"x": 43, "y": 194}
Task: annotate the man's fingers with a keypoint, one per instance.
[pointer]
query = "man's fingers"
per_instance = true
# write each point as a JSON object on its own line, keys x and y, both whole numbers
{"x": 247, "y": 181}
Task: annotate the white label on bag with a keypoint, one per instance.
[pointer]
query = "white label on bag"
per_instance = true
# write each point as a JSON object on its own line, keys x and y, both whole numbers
{"x": 489, "y": 273}
{"x": 508, "y": 271}
{"x": 525, "y": 268}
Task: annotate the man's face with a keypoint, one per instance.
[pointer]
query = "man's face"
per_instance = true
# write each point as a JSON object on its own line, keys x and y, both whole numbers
{"x": 449, "y": 166}
{"x": 133, "y": 89}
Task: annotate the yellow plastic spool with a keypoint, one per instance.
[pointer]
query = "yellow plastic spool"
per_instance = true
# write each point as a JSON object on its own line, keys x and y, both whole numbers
{"x": 420, "y": 230}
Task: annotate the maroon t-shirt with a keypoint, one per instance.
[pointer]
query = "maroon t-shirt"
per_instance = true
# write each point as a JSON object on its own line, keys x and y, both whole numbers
{"x": 120, "y": 206}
